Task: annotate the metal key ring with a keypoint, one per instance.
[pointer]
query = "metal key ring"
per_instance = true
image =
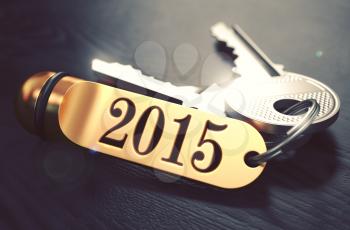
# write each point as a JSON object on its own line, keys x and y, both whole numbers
{"x": 313, "y": 110}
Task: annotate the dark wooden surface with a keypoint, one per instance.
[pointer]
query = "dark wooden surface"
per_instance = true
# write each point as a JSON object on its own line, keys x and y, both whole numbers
{"x": 54, "y": 186}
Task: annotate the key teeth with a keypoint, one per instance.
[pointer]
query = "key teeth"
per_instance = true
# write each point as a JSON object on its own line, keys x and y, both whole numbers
{"x": 218, "y": 31}
{"x": 132, "y": 69}
{"x": 279, "y": 67}
{"x": 129, "y": 74}
{"x": 236, "y": 72}
{"x": 224, "y": 33}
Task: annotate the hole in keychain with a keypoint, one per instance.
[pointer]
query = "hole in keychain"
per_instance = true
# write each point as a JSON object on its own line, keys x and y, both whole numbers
{"x": 248, "y": 161}
{"x": 284, "y": 105}
{"x": 312, "y": 109}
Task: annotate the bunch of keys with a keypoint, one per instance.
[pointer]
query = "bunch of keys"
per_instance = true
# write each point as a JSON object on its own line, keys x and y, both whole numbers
{"x": 211, "y": 135}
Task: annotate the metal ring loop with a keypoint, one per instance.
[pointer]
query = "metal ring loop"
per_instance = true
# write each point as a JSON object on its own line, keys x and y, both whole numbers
{"x": 292, "y": 133}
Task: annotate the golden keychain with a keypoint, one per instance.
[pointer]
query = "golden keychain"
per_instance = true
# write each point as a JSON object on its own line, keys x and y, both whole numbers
{"x": 147, "y": 130}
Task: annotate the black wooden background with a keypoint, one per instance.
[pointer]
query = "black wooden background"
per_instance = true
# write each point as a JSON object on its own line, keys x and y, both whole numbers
{"x": 55, "y": 186}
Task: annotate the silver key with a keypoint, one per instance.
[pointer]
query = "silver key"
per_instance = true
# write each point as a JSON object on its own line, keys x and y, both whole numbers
{"x": 119, "y": 74}
{"x": 129, "y": 78}
{"x": 264, "y": 89}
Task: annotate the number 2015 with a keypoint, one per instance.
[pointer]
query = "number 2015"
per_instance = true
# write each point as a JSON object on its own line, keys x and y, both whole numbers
{"x": 157, "y": 134}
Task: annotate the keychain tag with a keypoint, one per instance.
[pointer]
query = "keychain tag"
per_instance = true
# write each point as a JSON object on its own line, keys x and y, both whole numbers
{"x": 161, "y": 135}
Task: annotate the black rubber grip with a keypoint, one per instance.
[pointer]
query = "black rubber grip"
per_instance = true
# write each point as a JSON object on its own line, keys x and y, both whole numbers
{"x": 42, "y": 101}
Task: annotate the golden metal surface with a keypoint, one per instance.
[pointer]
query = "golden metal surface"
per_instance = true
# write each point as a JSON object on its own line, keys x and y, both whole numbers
{"x": 28, "y": 96}
{"x": 88, "y": 110}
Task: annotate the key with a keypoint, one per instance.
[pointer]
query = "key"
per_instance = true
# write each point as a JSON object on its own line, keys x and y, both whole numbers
{"x": 129, "y": 78}
{"x": 212, "y": 99}
{"x": 257, "y": 100}
{"x": 264, "y": 89}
